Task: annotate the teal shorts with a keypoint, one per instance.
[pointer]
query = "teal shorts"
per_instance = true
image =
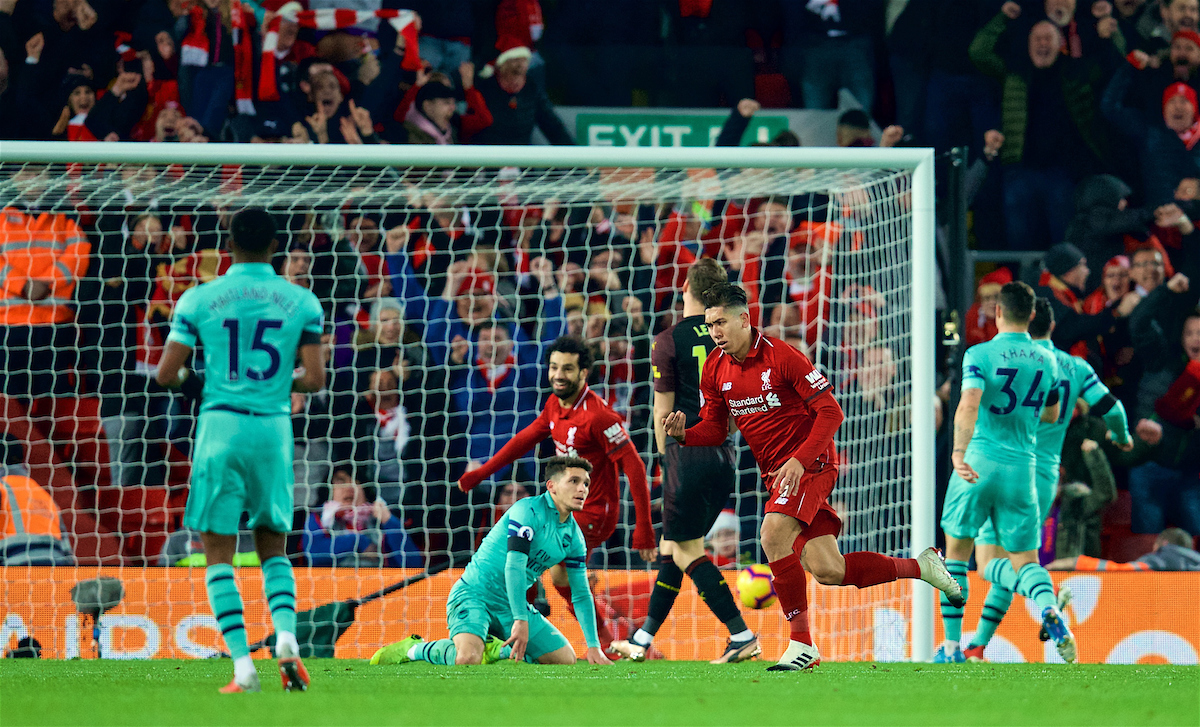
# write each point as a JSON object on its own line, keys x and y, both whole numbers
{"x": 1005, "y": 493}
{"x": 1047, "y": 489}
{"x": 241, "y": 463}
{"x": 468, "y": 612}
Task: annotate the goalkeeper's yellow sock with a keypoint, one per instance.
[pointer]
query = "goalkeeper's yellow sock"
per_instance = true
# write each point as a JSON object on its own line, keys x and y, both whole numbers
{"x": 226, "y": 605}
{"x": 279, "y": 586}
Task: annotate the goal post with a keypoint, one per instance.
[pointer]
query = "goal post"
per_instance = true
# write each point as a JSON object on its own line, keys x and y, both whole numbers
{"x": 868, "y": 215}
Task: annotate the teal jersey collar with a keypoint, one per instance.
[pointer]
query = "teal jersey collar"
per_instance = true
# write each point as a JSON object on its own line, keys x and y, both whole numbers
{"x": 1044, "y": 343}
{"x": 1013, "y": 336}
{"x": 259, "y": 270}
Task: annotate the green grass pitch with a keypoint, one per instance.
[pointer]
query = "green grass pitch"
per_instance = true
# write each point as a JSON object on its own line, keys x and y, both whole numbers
{"x": 348, "y": 692}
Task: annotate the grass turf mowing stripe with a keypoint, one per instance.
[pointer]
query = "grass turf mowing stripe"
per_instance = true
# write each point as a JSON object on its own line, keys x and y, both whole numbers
{"x": 346, "y": 692}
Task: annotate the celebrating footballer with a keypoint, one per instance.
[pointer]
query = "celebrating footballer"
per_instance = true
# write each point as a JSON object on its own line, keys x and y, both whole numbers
{"x": 788, "y": 416}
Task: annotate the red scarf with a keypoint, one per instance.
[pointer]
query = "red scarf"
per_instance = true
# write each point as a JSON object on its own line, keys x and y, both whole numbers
{"x": 495, "y": 375}
{"x": 404, "y": 21}
{"x": 195, "y": 51}
{"x": 1190, "y": 135}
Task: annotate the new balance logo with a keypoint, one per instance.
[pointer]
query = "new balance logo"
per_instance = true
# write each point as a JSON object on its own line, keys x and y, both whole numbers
{"x": 781, "y": 500}
{"x": 616, "y": 434}
{"x": 727, "y": 386}
{"x": 816, "y": 380}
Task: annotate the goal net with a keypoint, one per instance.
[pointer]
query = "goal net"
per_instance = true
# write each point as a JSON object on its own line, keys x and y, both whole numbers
{"x": 443, "y": 273}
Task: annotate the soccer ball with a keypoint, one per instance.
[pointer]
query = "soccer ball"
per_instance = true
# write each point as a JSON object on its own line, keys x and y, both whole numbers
{"x": 756, "y": 586}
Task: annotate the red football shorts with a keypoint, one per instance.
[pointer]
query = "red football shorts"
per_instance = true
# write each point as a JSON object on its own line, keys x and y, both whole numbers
{"x": 811, "y": 504}
{"x": 598, "y": 521}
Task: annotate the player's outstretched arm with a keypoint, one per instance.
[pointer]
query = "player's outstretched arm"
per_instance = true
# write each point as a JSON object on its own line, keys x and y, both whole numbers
{"x": 585, "y": 610}
{"x": 639, "y": 489}
{"x": 964, "y": 428}
{"x": 525, "y": 440}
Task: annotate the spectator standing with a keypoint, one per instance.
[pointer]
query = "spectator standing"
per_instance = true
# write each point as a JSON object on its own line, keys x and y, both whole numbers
{"x": 836, "y": 50}
{"x": 1062, "y": 282}
{"x": 1050, "y": 138}
{"x": 1104, "y": 224}
{"x": 42, "y": 257}
{"x": 216, "y": 60}
{"x": 1076, "y": 513}
{"x": 518, "y": 102}
{"x": 1168, "y": 147}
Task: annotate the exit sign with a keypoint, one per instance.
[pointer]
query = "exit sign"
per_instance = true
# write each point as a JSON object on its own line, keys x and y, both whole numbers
{"x": 639, "y": 129}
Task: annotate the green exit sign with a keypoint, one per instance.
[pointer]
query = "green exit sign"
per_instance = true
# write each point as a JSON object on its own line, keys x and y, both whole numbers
{"x": 639, "y": 129}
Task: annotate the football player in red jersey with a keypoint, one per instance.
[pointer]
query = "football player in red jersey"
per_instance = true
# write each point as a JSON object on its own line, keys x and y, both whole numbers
{"x": 582, "y": 424}
{"x": 788, "y": 416}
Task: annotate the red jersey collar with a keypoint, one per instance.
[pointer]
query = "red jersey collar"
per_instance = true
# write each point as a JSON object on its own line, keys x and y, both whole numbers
{"x": 578, "y": 402}
{"x": 757, "y": 341}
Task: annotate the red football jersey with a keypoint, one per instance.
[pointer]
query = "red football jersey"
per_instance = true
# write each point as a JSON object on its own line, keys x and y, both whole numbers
{"x": 593, "y": 431}
{"x": 774, "y": 396}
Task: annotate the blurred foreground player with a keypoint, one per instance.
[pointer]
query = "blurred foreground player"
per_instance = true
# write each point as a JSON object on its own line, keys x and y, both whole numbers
{"x": 489, "y": 600}
{"x": 788, "y": 416}
{"x": 1077, "y": 382}
{"x": 697, "y": 481}
{"x": 1010, "y": 386}
{"x": 252, "y": 324}
{"x": 583, "y": 425}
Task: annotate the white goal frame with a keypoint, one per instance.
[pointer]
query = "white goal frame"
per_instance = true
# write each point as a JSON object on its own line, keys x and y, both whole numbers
{"x": 919, "y": 161}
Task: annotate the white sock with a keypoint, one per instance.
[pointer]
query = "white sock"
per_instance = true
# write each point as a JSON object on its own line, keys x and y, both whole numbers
{"x": 949, "y": 646}
{"x": 243, "y": 670}
{"x": 742, "y": 635}
{"x": 643, "y": 638}
{"x": 412, "y": 650}
{"x": 285, "y": 642}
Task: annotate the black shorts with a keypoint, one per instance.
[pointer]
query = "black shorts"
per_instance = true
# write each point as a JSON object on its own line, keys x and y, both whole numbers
{"x": 697, "y": 482}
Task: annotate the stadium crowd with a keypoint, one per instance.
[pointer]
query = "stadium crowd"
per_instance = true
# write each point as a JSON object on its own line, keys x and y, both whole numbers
{"x": 1082, "y": 120}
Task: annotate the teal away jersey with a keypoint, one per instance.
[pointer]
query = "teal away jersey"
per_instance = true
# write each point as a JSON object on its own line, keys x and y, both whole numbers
{"x": 534, "y": 519}
{"x": 1015, "y": 375}
{"x": 1076, "y": 380}
{"x": 249, "y": 323}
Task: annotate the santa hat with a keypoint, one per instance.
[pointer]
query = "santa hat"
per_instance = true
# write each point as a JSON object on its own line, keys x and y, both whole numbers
{"x": 124, "y": 49}
{"x": 991, "y": 283}
{"x": 510, "y": 50}
{"x": 1187, "y": 34}
{"x": 1181, "y": 89}
{"x": 1117, "y": 261}
{"x": 476, "y": 282}
{"x": 726, "y": 520}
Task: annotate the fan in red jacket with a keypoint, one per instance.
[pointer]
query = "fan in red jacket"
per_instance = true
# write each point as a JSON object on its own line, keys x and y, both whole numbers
{"x": 583, "y": 425}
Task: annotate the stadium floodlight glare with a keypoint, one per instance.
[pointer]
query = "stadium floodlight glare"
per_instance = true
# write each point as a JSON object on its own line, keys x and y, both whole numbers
{"x": 864, "y": 227}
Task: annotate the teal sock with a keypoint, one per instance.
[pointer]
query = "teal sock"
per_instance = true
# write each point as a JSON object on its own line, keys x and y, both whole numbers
{"x": 279, "y": 586}
{"x": 995, "y": 605}
{"x": 226, "y": 605}
{"x": 951, "y": 616}
{"x": 999, "y": 571}
{"x": 441, "y": 652}
{"x": 1034, "y": 582}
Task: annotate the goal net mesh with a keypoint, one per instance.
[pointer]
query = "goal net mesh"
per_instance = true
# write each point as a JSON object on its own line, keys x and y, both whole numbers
{"x": 441, "y": 287}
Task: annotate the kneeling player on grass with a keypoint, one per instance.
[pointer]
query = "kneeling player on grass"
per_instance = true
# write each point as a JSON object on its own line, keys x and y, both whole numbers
{"x": 489, "y": 599}
{"x": 251, "y": 325}
{"x": 788, "y": 416}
